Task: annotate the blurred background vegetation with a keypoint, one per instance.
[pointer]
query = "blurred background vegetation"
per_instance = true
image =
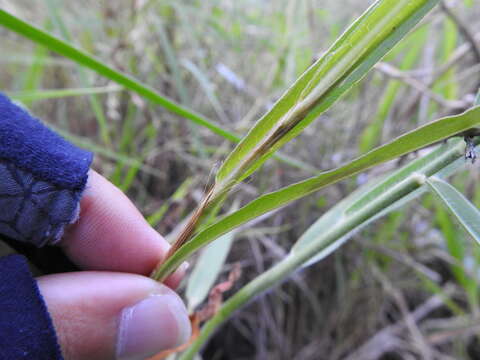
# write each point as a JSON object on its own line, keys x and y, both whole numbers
{"x": 405, "y": 288}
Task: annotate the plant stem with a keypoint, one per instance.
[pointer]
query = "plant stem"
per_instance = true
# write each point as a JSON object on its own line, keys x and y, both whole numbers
{"x": 445, "y": 155}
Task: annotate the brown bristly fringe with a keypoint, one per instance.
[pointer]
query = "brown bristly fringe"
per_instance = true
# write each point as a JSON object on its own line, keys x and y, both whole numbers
{"x": 189, "y": 229}
{"x": 191, "y": 226}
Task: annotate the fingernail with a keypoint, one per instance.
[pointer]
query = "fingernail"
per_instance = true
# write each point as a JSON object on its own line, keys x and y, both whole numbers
{"x": 157, "y": 323}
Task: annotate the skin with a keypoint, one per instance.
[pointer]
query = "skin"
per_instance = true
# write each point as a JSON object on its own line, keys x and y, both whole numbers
{"x": 117, "y": 249}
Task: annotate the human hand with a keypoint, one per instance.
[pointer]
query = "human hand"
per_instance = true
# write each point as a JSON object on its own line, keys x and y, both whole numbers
{"x": 113, "y": 310}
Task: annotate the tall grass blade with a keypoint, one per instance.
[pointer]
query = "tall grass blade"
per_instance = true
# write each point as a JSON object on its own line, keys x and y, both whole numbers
{"x": 456, "y": 248}
{"x": 33, "y": 77}
{"x": 362, "y": 45}
{"x": 95, "y": 103}
{"x": 367, "y": 40}
{"x": 44, "y": 94}
{"x": 207, "y": 269}
{"x": 361, "y": 198}
{"x": 414, "y": 140}
{"x": 65, "y": 49}
{"x": 462, "y": 209}
{"x": 320, "y": 241}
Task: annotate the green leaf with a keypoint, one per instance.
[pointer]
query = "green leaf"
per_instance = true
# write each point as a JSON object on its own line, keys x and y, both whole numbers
{"x": 207, "y": 269}
{"x": 95, "y": 104}
{"x": 477, "y": 98}
{"x": 367, "y": 40}
{"x": 42, "y": 94}
{"x": 107, "y": 153}
{"x": 33, "y": 77}
{"x": 321, "y": 241}
{"x": 79, "y": 56}
{"x": 457, "y": 250}
{"x": 361, "y": 199}
{"x": 414, "y": 140}
{"x": 462, "y": 209}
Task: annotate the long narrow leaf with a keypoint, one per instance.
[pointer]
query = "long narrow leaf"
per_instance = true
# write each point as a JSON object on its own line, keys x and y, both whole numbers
{"x": 367, "y": 40}
{"x": 95, "y": 103}
{"x": 63, "y": 48}
{"x": 207, "y": 268}
{"x": 462, "y": 209}
{"x": 414, "y": 140}
{"x": 349, "y": 59}
{"x": 365, "y": 195}
{"x": 320, "y": 242}
{"x": 42, "y": 94}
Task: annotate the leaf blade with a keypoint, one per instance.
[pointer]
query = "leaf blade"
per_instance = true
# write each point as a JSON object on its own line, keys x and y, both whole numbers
{"x": 414, "y": 140}
{"x": 43, "y": 94}
{"x": 441, "y": 162}
{"x": 207, "y": 269}
{"x": 63, "y": 48}
{"x": 463, "y": 210}
{"x": 363, "y": 44}
{"x": 79, "y": 56}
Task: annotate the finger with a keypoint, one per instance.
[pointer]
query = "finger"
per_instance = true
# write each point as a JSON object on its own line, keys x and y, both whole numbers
{"x": 111, "y": 234}
{"x": 101, "y": 315}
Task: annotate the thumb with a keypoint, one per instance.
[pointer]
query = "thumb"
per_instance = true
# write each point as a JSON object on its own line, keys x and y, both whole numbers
{"x": 102, "y": 315}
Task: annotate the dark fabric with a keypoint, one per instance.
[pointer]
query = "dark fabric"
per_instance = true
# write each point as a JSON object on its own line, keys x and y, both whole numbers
{"x": 26, "y": 331}
{"x": 32, "y": 210}
{"x": 32, "y": 147}
{"x": 42, "y": 177}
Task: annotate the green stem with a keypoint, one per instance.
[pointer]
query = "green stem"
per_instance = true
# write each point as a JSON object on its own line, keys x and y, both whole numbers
{"x": 428, "y": 134}
{"x": 437, "y": 160}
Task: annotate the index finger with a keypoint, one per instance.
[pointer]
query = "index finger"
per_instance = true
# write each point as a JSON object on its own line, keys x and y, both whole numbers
{"x": 111, "y": 234}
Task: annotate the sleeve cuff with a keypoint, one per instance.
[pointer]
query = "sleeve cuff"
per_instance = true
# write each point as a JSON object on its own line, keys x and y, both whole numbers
{"x": 25, "y": 326}
{"x": 42, "y": 177}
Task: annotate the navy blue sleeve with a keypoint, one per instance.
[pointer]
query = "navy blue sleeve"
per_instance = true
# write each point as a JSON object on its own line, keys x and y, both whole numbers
{"x": 42, "y": 177}
{"x": 32, "y": 147}
{"x": 26, "y": 330}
